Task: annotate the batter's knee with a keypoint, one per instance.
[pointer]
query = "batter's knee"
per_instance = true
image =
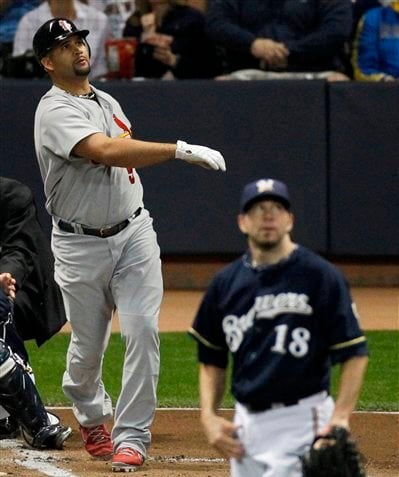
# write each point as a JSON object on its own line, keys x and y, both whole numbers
{"x": 136, "y": 326}
{"x": 87, "y": 359}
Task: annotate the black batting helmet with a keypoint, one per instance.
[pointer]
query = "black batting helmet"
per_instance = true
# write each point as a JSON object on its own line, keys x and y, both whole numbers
{"x": 51, "y": 33}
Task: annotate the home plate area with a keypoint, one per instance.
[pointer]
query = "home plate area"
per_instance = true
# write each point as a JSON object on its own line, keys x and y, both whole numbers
{"x": 179, "y": 449}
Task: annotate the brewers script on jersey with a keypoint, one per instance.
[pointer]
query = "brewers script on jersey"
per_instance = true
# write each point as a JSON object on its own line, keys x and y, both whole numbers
{"x": 278, "y": 326}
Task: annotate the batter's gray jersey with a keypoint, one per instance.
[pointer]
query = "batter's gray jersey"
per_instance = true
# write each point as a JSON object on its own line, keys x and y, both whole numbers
{"x": 78, "y": 190}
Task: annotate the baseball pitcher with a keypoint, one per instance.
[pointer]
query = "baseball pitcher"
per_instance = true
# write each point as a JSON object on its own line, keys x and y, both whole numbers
{"x": 285, "y": 315}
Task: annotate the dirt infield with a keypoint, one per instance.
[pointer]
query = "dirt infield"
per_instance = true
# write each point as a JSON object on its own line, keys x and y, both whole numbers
{"x": 179, "y": 448}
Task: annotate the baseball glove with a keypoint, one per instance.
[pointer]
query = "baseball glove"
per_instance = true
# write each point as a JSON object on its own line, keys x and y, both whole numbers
{"x": 334, "y": 455}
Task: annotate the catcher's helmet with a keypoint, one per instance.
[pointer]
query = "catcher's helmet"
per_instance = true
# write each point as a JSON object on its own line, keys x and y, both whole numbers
{"x": 51, "y": 33}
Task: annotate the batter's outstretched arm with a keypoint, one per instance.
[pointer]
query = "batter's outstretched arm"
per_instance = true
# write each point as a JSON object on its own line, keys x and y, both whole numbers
{"x": 221, "y": 433}
{"x": 122, "y": 152}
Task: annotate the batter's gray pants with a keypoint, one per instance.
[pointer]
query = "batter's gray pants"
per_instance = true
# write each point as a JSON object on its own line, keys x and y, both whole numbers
{"x": 96, "y": 275}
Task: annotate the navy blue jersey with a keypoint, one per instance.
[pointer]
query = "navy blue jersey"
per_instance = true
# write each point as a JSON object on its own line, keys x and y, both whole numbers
{"x": 284, "y": 324}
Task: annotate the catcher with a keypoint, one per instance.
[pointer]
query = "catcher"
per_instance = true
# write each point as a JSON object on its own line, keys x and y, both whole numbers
{"x": 285, "y": 315}
{"x": 25, "y": 254}
{"x": 18, "y": 393}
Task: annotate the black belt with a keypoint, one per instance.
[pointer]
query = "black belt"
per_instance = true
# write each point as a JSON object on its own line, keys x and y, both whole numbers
{"x": 103, "y": 232}
{"x": 265, "y": 406}
{"x": 260, "y": 406}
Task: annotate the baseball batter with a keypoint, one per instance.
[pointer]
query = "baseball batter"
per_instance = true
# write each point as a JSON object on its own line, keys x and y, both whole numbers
{"x": 105, "y": 248}
{"x": 285, "y": 315}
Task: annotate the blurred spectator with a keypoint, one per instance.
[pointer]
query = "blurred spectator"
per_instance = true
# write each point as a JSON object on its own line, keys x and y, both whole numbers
{"x": 99, "y": 4}
{"x": 117, "y": 11}
{"x": 11, "y": 11}
{"x": 285, "y": 35}
{"x": 375, "y": 53}
{"x": 360, "y": 7}
{"x": 172, "y": 41}
{"x": 84, "y": 17}
{"x": 201, "y": 5}
{"x": 255, "y": 74}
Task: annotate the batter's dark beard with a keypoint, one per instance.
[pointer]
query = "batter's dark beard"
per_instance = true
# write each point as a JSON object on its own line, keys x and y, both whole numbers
{"x": 82, "y": 72}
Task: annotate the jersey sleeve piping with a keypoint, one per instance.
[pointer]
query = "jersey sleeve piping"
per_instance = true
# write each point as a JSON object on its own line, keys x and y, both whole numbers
{"x": 203, "y": 341}
{"x": 346, "y": 344}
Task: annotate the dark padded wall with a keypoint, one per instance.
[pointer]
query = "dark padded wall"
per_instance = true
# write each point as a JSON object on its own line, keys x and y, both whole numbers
{"x": 364, "y": 174}
{"x": 263, "y": 129}
{"x": 18, "y": 100}
{"x": 336, "y": 145}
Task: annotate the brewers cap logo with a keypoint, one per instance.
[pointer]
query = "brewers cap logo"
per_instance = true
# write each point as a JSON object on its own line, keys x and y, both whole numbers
{"x": 265, "y": 185}
{"x": 263, "y": 188}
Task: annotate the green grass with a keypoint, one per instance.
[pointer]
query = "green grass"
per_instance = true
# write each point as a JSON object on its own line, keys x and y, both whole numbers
{"x": 178, "y": 382}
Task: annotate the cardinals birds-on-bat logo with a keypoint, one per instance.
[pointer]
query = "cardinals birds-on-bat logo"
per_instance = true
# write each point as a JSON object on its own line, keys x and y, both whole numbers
{"x": 127, "y": 132}
{"x": 123, "y": 126}
{"x": 65, "y": 25}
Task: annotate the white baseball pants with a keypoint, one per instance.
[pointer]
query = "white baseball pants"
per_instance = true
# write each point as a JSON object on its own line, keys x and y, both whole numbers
{"x": 275, "y": 439}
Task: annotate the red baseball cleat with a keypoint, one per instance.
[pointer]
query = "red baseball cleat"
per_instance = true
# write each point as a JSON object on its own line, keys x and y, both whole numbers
{"x": 126, "y": 459}
{"x": 97, "y": 441}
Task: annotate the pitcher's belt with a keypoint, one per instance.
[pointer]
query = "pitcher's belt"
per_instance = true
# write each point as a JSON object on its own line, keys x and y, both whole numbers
{"x": 104, "y": 232}
{"x": 265, "y": 406}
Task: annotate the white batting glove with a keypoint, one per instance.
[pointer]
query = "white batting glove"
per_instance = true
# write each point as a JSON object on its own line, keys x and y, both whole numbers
{"x": 200, "y": 155}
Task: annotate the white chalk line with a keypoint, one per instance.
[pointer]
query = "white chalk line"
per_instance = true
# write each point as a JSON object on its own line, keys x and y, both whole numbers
{"x": 34, "y": 459}
{"x": 196, "y": 409}
{"x": 178, "y": 460}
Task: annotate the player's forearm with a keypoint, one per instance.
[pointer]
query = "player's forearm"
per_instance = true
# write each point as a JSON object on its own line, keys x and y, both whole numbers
{"x": 122, "y": 152}
{"x": 351, "y": 380}
{"x": 119, "y": 152}
{"x": 212, "y": 386}
{"x": 133, "y": 153}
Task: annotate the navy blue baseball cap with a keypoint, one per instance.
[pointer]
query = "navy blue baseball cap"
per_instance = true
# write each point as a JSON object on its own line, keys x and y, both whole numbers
{"x": 264, "y": 189}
